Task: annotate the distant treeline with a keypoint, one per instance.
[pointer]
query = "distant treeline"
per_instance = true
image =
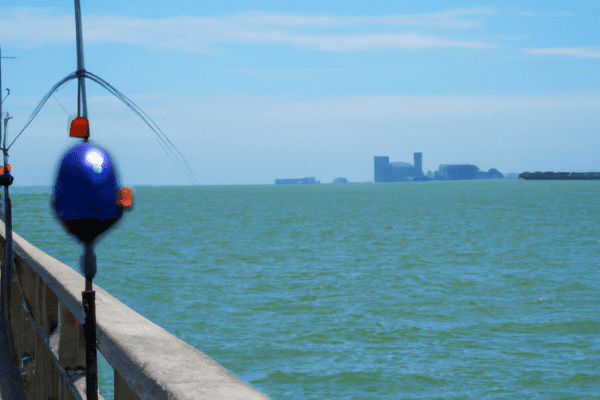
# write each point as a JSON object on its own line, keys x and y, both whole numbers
{"x": 560, "y": 175}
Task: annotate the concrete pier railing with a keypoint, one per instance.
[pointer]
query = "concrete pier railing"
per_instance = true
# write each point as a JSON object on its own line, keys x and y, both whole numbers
{"x": 148, "y": 362}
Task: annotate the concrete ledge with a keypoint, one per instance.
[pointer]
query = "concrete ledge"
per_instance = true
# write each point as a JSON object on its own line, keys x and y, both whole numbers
{"x": 158, "y": 365}
{"x": 153, "y": 363}
{"x": 66, "y": 283}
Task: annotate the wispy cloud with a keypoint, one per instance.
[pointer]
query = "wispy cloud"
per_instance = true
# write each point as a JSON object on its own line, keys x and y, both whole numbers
{"x": 587, "y": 52}
{"x": 364, "y": 42}
{"x": 513, "y": 38}
{"x": 446, "y": 19}
{"x": 534, "y": 14}
{"x": 30, "y": 27}
{"x": 27, "y": 27}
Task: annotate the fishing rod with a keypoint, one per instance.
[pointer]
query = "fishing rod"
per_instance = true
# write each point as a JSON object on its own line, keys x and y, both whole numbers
{"x": 86, "y": 198}
{"x": 6, "y": 179}
{"x": 88, "y": 261}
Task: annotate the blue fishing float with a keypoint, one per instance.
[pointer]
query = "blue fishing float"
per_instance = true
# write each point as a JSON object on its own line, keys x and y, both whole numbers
{"x": 87, "y": 199}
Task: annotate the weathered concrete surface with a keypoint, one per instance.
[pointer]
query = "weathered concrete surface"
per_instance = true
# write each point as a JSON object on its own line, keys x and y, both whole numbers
{"x": 152, "y": 362}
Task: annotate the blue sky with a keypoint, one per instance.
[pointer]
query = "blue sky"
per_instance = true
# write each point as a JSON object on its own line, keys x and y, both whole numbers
{"x": 253, "y": 91}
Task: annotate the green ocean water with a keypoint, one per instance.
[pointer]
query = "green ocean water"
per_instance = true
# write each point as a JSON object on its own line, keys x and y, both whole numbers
{"x": 434, "y": 290}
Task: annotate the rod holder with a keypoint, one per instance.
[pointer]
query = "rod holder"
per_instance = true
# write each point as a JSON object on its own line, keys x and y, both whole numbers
{"x": 91, "y": 356}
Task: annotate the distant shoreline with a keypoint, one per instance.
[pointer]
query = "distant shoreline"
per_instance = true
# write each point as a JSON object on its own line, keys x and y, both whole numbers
{"x": 563, "y": 176}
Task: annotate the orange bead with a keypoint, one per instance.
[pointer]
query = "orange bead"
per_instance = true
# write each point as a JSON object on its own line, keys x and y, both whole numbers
{"x": 80, "y": 127}
{"x": 125, "y": 197}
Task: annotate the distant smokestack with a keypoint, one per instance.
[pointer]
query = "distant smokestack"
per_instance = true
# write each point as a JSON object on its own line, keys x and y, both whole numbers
{"x": 419, "y": 162}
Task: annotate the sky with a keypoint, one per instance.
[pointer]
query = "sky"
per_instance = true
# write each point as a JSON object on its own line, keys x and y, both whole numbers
{"x": 253, "y": 91}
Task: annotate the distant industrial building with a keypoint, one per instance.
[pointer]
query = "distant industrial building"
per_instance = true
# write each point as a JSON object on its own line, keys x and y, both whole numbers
{"x": 459, "y": 172}
{"x": 386, "y": 171}
{"x": 302, "y": 181}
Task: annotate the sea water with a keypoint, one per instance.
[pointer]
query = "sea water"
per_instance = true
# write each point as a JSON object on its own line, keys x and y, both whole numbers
{"x": 462, "y": 290}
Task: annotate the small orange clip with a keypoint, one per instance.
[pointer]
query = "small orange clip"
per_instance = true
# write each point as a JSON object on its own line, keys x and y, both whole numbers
{"x": 125, "y": 197}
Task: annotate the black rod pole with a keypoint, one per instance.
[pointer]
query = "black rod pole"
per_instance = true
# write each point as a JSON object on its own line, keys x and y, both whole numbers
{"x": 88, "y": 261}
{"x": 91, "y": 356}
{"x": 7, "y": 273}
{"x": 10, "y": 378}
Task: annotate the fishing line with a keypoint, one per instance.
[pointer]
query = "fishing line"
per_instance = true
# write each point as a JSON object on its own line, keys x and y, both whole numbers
{"x": 35, "y": 112}
{"x": 168, "y": 147}
{"x": 61, "y": 106}
{"x": 56, "y": 98}
{"x": 134, "y": 108}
